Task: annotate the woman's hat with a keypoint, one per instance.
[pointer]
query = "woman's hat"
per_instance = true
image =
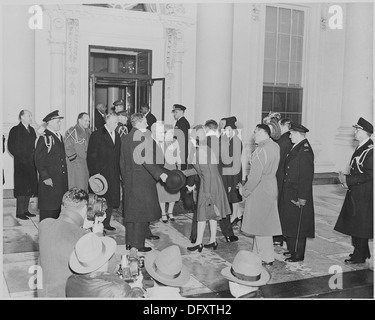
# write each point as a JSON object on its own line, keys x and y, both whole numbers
{"x": 91, "y": 252}
{"x": 98, "y": 184}
{"x": 247, "y": 269}
{"x": 166, "y": 266}
{"x": 175, "y": 181}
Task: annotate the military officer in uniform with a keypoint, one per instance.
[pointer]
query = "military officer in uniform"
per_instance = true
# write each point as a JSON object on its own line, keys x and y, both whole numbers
{"x": 296, "y": 203}
{"x": 50, "y": 162}
{"x": 356, "y": 216}
{"x": 182, "y": 134}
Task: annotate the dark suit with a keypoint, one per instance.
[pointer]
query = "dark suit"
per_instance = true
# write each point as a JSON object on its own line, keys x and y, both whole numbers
{"x": 141, "y": 203}
{"x": 50, "y": 161}
{"x": 103, "y": 156}
{"x": 21, "y": 144}
{"x": 183, "y": 125}
{"x": 99, "y": 120}
{"x": 298, "y": 179}
{"x": 150, "y": 120}
{"x": 356, "y": 216}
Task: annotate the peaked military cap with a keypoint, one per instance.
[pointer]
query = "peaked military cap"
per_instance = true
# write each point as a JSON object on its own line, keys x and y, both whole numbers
{"x": 298, "y": 127}
{"x": 178, "y": 107}
{"x": 364, "y": 125}
{"x": 119, "y": 102}
{"x": 52, "y": 115}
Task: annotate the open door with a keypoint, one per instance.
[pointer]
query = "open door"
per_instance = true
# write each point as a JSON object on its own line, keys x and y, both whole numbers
{"x": 157, "y": 98}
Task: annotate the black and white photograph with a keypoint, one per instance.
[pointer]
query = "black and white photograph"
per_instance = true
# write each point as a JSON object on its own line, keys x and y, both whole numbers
{"x": 206, "y": 153}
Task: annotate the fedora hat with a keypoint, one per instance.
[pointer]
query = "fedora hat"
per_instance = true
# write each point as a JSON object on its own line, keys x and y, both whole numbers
{"x": 98, "y": 184}
{"x": 175, "y": 181}
{"x": 91, "y": 252}
{"x": 166, "y": 266}
{"x": 247, "y": 269}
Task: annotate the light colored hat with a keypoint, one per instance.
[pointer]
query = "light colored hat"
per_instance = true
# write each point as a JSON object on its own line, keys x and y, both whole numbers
{"x": 247, "y": 269}
{"x": 98, "y": 184}
{"x": 166, "y": 266}
{"x": 91, "y": 252}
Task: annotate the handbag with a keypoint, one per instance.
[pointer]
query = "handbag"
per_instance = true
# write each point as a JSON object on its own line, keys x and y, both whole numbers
{"x": 212, "y": 211}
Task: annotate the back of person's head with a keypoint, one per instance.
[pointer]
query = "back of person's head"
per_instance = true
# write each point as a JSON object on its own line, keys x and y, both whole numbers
{"x": 211, "y": 124}
{"x": 135, "y": 118}
{"x": 285, "y": 122}
{"x": 264, "y": 127}
{"x": 96, "y": 207}
{"x": 75, "y": 198}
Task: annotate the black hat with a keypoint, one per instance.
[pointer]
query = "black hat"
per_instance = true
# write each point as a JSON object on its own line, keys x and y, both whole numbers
{"x": 178, "y": 107}
{"x": 364, "y": 125}
{"x": 119, "y": 102}
{"x": 52, "y": 115}
{"x": 175, "y": 181}
{"x": 298, "y": 127}
{"x": 231, "y": 122}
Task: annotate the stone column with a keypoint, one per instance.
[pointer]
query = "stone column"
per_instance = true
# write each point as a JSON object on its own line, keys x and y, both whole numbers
{"x": 214, "y": 61}
{"x": 357, "y": 100}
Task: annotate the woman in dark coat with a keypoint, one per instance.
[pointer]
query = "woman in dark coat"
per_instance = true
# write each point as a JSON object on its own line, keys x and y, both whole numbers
{"x": 357, "y": 214}
{"x": 21, "y": 144}
{"x": 103, "y": 157}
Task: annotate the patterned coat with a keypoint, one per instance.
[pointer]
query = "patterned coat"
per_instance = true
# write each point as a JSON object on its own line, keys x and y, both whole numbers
{"x": 261, "y": 216}
{"x": 21, "y": 145}
{"x": 50, "y": 161}
{"x": 103, "y": 156}
{"x": 141, "y": 202}
{"x": 76, "y": 143}
{"x": 357, "y": 214}
{"x": 298, "y": 179}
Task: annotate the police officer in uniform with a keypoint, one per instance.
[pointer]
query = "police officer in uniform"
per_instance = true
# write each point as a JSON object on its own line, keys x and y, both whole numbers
{"x": 356, "y": 216}
{"x": 50, "y": 162}
{"x": 296, "y": 203}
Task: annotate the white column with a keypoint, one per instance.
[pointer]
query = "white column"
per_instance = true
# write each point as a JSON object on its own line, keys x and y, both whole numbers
{"x": 357, "y": 100}
{"x": 178, "y": 77}
{"x": 214, "y": 61}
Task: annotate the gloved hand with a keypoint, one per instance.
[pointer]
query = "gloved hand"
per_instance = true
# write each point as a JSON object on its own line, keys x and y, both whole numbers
{"x": 190, "y": 188}
{"x": 299, "y": 203}
{"x": 342, "y": 178}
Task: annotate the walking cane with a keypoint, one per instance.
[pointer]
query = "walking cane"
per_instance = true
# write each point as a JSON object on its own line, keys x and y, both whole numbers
{"x": 299, "y": 227}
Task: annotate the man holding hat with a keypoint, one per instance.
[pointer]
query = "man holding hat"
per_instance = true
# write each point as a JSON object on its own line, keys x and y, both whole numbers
{"x": 93, "y": 264}
{"x": 181, "y": 132}
{"x": 296, "y": 206}
{"x": 50, "y": 162}
{"x": 356, "y": 216}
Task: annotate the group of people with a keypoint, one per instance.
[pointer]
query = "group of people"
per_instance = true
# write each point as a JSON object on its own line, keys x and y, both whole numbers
{"x": 131, "y": 157}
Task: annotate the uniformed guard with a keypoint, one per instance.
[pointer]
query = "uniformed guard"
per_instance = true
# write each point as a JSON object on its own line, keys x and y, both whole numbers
{"x": 296, "y": 203}
{"x": 357, "y": 215}
{"x": 51, "y": 165}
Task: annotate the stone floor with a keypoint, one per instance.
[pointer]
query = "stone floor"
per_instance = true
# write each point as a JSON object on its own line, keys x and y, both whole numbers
{"x": 327, "y": 250}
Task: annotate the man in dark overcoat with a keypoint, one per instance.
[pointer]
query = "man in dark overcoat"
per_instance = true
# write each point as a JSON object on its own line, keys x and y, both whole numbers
{"x": 103, "y": 157}
{"x": 285, "y": 145}
{"x": 181, "y": 127}
{"x": 100, "y": 113}
{"x": 356, "y": 216}
{"x": 151, "y": 119}
{"x": 296, "y": 205}
{"x": 21, "y": 145}
{"x": 50, "y": 161}
{"x": 139, "y": 174}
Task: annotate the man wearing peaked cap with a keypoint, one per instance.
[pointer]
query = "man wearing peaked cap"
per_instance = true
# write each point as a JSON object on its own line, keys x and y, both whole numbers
{"x": 118, "y": 105}
{"x": 357, "y": 213}
{"x": 296, "y": 207}
{"x": 50, "y": 161}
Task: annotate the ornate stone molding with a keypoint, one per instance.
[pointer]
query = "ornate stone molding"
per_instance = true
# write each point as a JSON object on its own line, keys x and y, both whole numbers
{"x": 174, "y": 9}
{"x": 323, "y": 17}
{"x": 72, "y": 44}
{"x": 255, "y": 12}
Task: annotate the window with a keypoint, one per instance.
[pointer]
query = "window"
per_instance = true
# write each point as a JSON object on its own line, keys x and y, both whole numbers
{"x": 283, "y": 53}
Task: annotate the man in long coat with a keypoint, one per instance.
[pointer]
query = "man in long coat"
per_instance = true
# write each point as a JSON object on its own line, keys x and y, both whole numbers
{"x": 50, "y": 161}
{"x": 261, "y": 217}
{"x": 139, "y": 174}
{"x": 103, "y": 157}
{"x": 21, "y": 144}
{"x": 285, "y": 145}
{"x": 76, "y": 143}
{"x": 356, "y": 216}
{"x": 296, "y": 203}
{"x": 182, "y": 134}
